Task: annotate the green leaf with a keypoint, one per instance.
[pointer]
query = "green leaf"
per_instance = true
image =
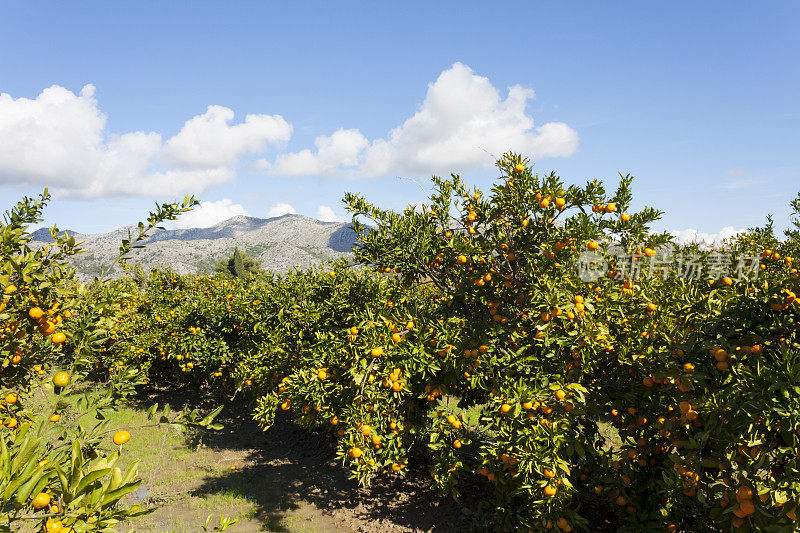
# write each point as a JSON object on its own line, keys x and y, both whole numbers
{"x": 76, "y": 465}
{"x": 115, "y": 495}
{"x": 90, "y": 478}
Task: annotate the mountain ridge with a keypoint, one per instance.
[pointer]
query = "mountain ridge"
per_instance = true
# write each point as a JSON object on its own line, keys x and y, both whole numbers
{"x": 278, "y": 243}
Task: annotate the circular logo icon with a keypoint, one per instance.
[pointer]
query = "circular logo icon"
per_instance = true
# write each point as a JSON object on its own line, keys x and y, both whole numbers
{"x": 591, "y": 266}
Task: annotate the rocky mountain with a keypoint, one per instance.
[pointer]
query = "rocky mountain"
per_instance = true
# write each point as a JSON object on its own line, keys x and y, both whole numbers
{"x": 279, "y": 243}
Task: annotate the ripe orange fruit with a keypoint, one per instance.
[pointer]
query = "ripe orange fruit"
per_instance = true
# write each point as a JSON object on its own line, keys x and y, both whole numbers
{"x": 548, "y": 473}
{"x": 456, "y": 443}
{"x": 610, "y": 208}
{"x": 461, "y": 259}
{"x": 651, "y": 307}
{"x": 396, "y": 467}
{"x": 53, "y": 526}
{"x": 744, "y": 493}
{"x": 719, "y": 354}
{"x": 354, "y": 452}
{"x": 376, "y": 352}
{"x": 12, "y": 397}
{"x": 747, "y": 507}
{"x": 121, "y": 437}
{"x": 286, "y": 405}
{"x": 519, "y": 168}
{"x": 58, "y": 338}
{"x": 46, "y": 327}
{"x": 41, "y": 500}
{"x": 55, "y": 417}
{"x": 592, "y": 245}
{"x": 505, "y": 408}
{"x": 560, "y": 394}
{"x": 625, "y": 217}
{"x": 550, "y": 491}
{"x": 61, "y": 379}
{"x": 36, "y": 313}
{"x": 688, "y": 368}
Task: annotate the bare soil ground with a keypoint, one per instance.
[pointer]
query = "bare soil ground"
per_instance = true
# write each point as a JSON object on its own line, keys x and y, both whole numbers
{"x": 281, "y": 480}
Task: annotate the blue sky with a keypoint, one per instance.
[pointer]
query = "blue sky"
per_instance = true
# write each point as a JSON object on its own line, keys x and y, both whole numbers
{"x": 698, "y": 100}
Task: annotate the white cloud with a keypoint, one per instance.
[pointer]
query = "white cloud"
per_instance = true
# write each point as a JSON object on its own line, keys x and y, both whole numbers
{"x": 462, "y": 124}
{"x": 209, "y": 213}
{"x": 325, "y": 213}
{"x": 278, "y": 210}
{"x": 59, "y": 139}
{"x": 338, "y": 150}
{"x": 208, "y": 140}
{"x": 688, "y": 236}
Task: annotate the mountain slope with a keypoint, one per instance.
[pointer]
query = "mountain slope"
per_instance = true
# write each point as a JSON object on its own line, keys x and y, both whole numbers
{"x": 279, "y": 243}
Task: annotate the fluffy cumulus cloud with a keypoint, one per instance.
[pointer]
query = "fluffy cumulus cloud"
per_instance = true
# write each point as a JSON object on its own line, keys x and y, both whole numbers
{"x": 340, "y": 150}
{"x": 463, "y": 123}
{"x": 278, "y": 210}
{"x": 59, "y": 139}
{"x": 209, "y": 140}
{"x": 325, "y": 214}
{"x": 688, "y": 236}
{"x": 209, "y": 213}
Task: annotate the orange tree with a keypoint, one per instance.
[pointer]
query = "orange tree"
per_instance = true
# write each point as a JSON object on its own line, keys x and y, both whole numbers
{"x": 532, "y": 346}
{"x": 56, "y": 476}
{"x": 546, "y": 354}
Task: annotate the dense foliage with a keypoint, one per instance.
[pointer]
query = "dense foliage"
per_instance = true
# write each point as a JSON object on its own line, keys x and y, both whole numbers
{"x": 656, "y": 387}
{"x": 663, "y": 390}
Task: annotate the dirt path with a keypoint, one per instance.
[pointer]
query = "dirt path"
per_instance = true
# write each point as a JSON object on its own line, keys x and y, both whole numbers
{"x": 282, "y": 480}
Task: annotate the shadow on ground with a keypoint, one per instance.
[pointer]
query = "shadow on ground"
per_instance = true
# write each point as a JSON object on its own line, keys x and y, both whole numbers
{"x": 289, "y": 475}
